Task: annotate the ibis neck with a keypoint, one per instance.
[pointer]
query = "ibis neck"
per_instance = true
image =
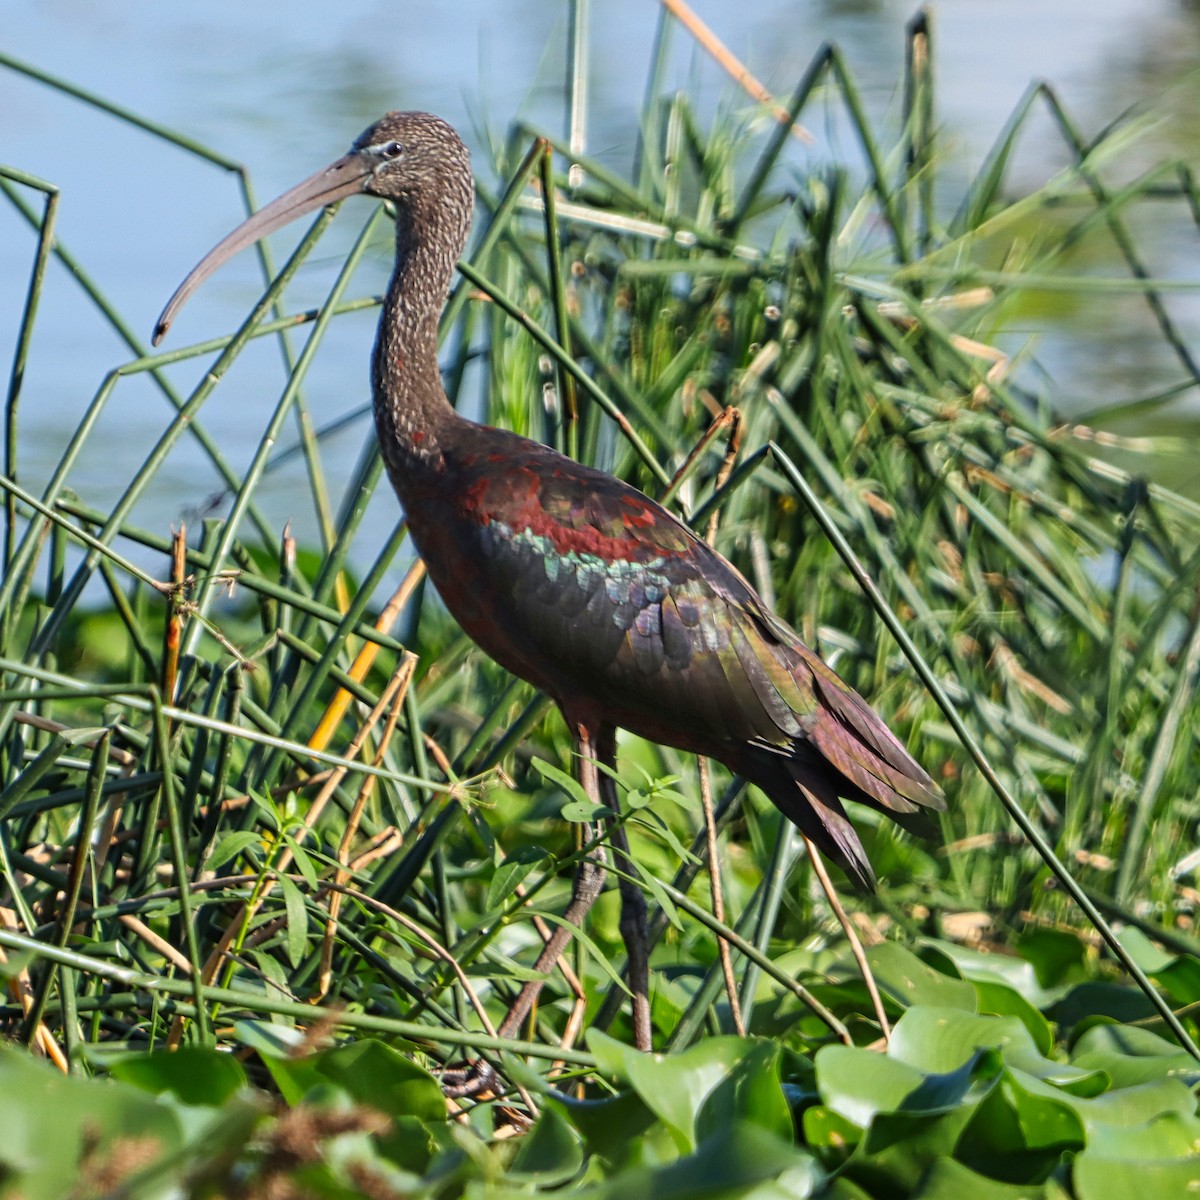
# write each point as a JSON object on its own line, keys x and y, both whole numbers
{"x": 412, "y": 414}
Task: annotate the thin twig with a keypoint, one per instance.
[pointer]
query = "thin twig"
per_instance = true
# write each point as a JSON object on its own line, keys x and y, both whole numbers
{"x": 718, "y": 899}
{"x": 730, "y": 419}
{"x": 730, "y": 63}
{"x": 856, "y": 947}
{"x": 342, "y": 874}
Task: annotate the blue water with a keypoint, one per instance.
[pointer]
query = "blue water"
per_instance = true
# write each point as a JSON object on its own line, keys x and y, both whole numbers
{"x": 284, "y": 88}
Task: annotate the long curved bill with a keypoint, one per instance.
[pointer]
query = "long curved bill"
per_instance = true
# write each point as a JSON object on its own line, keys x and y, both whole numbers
{"x": 346, "y": 177}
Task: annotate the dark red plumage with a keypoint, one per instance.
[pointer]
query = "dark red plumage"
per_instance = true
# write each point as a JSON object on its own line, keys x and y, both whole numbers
{"x": 570, "y": 578}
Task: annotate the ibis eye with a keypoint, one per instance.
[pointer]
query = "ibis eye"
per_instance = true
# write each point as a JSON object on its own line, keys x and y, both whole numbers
{"x": 391, "y": 150}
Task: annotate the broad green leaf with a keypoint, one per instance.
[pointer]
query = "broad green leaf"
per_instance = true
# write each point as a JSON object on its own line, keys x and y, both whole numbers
{"x": 193, "y": 1074}
{"x": 1130, "y": 1055}
{"x": 725, "y": 1165}
{"x": 550, "y": 1153}
{"x": 1168, "y": 1135}
{"x": 52, "y": 1124}
{"x": 901, "y": 975}
{"x": 1098, "y": 1178}
{"x": 950, "y": 1180}
{"x": 1016, "y": 973}
{"x": 1148, "y": 955}
{"x": 942, "y": 1039}
{"x": 1057, "y": 955}
{"x": 376, "y": 1075}
{"x": 824, "y": 1128}
{"x": 613, "y": 1128}
{"x": 1097, "y": 998}
{"x": 997, "y": 998}
{"x": 857, "y": 1084}
{"x": 1046, "y": 1116}
{"x": 1134, "y": 1105}
{"x": 720, "y": 1080}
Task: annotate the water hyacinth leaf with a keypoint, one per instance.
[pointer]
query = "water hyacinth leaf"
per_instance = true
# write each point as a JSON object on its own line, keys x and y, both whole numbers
{"x": 376, "y": 1075}
{"x": 54, "y": 1123}
{"x": 270, "y": 1041}
{"x": 942, "y": 1039}
{"x": 910, "y": 1118}
{"x": 951, "y": 1180}
{"x": 857, "y": 1083}
{"x": 1097, "y": 1178}
{"x": 550, "y": 1153}
{"x": 1101, "y": 1000}
{"x": 1019, "y": 974}
{"x": 730, "y": 1163}
{"x": 828, "y": 1130}
{"x": 1168, "y": 1135}
{"x": 902, "y": 976}
{"x": 294, "y": 1076}
{"x": 1057, "y": 955}
{"x": 615, "y": 1127}
{"x": 721, "y": 1080}
{"x": 192, "y": 1074}
{"x": 997, "y": 998}
{"x": 1129, "y": 1056}
{"x": 1046, "y": 1117}
{"x": 1126, "y": 1107}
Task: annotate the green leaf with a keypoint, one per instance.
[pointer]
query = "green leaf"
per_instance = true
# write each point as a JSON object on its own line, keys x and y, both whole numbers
{"x": 726, "y": 1165}
{"x": 1169, "y": 1135}
{"x": 856, "y": 1083}
{"x": 580, "y": 811}
{"x": 52, "y": 1123}
{"x": 942, "y": 1039}
{"x": 378, "y": 1076}
{"x": 720, "y": 1080}
{"x": 568, "y": 784}
{"x": 1130, "y": 1055}
{"x": 583, "y": 938}
{"x": 1016, "y": 973}
{"x": 825, "y": 1129}
{"x": 653, "y": 824}
{"x": 1057, "y": 956}
{"x": 512, "y": 872}
{"x": 902, "y": 976}
{"x": 229, "y": 845}
{"x": 192, "y": 1074}
{"x": 998, "y": 999}
{"x": 296, "y": 941}
{"x": 1097, "y": 998}
{"x": 950, "y": 1180}
{"x": 551, "y": 1152}
{"x": 302, "y": 859}
{"x": 1098, "y": 1178}
{"x": 613, "y": 1128}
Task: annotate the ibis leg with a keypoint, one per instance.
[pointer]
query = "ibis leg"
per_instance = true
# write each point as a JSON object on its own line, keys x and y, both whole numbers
{"x": 589, "y": 879}
{"x": 633, "y": 901}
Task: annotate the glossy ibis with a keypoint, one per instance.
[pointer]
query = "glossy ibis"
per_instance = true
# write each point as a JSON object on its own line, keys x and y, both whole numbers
{"x": 576, "y": 581}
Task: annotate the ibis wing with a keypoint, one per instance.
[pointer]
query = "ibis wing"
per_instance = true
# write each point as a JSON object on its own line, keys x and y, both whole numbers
{"x": 598, "y": 593}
